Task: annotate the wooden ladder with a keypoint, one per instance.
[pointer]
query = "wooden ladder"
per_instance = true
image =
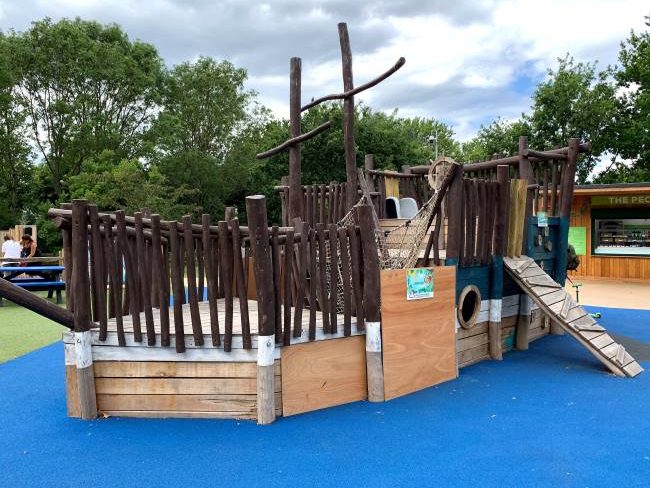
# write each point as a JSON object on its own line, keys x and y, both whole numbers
{"x": 562, "y": 309}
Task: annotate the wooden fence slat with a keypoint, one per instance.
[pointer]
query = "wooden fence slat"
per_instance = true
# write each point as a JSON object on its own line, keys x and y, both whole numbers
{"x": 145, "y": 283}
{"x": 277, "y": 285}
{"x": 346, "y": 279}
{"x": 188, "y": 238}
{"x": 159, "y": 272}
{"x": 302, "y": 262}
{"x": 357, "y": 287}
{"x": 286, "y": 292}
{"x": 322, "y": 281}
{"x": 98, "y": 266}
{"x": 333, "y": 278}
{"x": 115, "y": 278}
{"x": 132, "y": 277}
{"x": 313, "y": 283}
{"x": 240, "y": 279}
{"x": 177, "y": 285}
{"x": 211, "y": 278}
{"x": 226, "y": 270}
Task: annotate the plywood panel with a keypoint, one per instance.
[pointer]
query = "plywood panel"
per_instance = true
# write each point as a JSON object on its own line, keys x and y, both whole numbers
{"x": 72, "y": 391}
{"x": 418, "y": 336}
{"x": 323, "y": 374}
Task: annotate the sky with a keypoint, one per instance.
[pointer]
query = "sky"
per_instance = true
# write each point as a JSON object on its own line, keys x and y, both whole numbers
{"x": 467, "y": 62}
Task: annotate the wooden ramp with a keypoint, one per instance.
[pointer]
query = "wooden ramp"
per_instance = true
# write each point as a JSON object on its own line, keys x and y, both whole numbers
{"x": 553, "y": 299}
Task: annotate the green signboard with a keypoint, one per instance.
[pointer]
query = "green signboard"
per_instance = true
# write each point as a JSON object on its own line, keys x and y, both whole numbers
{"x": 578, "y": 239}
{"x": 620, "y": 201}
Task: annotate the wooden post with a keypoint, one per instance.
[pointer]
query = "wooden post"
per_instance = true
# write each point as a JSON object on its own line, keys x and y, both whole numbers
{"x": 259, "y": 235}
{"x": 454, "y": 219}
{"x": 67, "y": 263}
{"x": 348, "y": 118}
{"x": 496, "y": 301}
{"x": 295, "y": 190}
{"x": 525, "y": 173}
{"x": 568, "y": 178}
{"x": 371, "y": 289}
{"x": 369, "y": 162}
{"x": 566, "y": 192}
{"x": 82, "y": 334}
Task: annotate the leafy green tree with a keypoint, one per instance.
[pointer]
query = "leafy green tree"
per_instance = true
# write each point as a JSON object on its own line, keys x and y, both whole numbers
{"x": 574, "y": 102}
{"x": 630, "y": 129}
{"x": 205, "y": 109}
{"x": 499, "y": 138}
{"x": 16, "y": 170}
{"x": 130, "y": 187}
{"x": 86, "y": 88}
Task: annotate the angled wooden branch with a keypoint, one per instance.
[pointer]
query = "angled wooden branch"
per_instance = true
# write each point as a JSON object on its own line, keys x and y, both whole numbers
{"x": 340, "y": 96}
{"x": 295, "y": 140}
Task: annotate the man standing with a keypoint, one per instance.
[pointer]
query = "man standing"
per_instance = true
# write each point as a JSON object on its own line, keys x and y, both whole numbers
{"x": 10, "y": 249}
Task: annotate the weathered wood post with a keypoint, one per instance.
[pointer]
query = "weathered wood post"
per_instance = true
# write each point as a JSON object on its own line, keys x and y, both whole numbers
{"x": 454, "y": 219}
{"x": 494, "y": 325}
{"x": 374, "y": 365}
{"x": 81, "y": 289}
{"x": 67, "y": 262}
{"x": 295, "y": 189}
{"x": 261, "y": 250}
{"x": 369, "y": 161}
{"x": 525, "y": 302}
{"x": 568, "y": 183}
{"x": 348, "y": 118}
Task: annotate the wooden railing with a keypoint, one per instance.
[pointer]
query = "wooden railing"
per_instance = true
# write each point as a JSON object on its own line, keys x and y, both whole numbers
{"x": 148, "y": 277}
{"x": 478, "y": 218}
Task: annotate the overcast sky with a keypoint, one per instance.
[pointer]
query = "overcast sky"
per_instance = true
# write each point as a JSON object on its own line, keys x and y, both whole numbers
{"x": 467, "y": 62}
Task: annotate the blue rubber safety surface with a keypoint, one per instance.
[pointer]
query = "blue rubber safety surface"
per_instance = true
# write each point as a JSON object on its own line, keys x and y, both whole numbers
{"x": 549, "y": 416}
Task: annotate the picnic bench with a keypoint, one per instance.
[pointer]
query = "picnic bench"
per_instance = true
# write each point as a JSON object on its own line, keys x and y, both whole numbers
{"x": 35, "y": 278}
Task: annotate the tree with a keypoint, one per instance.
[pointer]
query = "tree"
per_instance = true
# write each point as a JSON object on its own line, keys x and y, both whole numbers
{"x": 630, "y": 135}
{"x": 499, "y": 138}
{"x": 86, "y": 88}
{"x": 205, "y": 108}
{"x": 574, "y": 102}
{"x": 204, "y": 104}
{"x": 16, "y": 170}
{"x": 130, "y": 187}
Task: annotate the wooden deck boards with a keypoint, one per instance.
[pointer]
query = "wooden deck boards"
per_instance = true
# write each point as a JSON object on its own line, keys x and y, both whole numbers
{"x": 204, "y": 313}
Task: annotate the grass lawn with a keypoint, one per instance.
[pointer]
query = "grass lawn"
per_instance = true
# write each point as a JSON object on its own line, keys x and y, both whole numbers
{"x": 22, "y": 331}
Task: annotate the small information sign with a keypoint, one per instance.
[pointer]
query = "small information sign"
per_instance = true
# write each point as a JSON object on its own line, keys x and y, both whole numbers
{"x": 419, "y": 283}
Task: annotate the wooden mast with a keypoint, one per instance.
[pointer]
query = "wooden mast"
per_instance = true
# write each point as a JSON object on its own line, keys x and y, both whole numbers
{"x": 348, "y": 118}
{"x": 295, "y": 172}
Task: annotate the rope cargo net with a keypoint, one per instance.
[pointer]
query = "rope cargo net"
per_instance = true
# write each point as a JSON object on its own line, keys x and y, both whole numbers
{"x": 398, "y": 248}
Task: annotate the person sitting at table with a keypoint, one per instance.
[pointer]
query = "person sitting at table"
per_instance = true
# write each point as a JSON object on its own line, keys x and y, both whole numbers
{"x": 10, "y": 249}
{"x": 29, "y": 250}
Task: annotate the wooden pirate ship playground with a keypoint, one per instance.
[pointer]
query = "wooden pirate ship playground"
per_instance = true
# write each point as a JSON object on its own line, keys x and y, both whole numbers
{"x": 370, "y": 289}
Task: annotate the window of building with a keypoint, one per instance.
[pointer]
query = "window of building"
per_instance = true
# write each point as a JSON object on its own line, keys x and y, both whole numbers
{"x": 621, "y": 232}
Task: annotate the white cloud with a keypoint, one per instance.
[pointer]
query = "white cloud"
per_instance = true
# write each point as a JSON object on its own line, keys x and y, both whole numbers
{"x": 467, "y": 62}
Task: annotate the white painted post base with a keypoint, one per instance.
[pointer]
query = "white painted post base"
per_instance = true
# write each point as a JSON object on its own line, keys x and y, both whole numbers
{"x": 85, "y": 375}
{"x": 494, "y": 329}
{"x": 265, "y": 379}
{"x": 523, "y": 322}
{"x": 374, "y": 365}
